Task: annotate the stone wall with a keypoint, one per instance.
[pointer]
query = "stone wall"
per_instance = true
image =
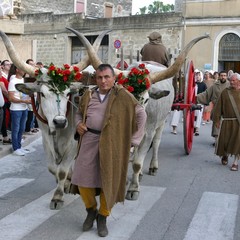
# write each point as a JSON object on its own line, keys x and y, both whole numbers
{"x": 94, "y": 8}
{"x": 35, "y": 6}
{"x": 51, "y": 41}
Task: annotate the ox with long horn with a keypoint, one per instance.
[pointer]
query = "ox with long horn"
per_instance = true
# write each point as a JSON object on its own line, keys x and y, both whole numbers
{"x": 57, "y": 111}
{"x": 157, "y": 110}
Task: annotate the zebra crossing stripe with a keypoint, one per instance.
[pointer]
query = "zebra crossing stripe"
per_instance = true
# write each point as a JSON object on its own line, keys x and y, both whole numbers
{"x": 214, "y": 218}
{"x": 21, "y": 222}
{"x": 125, "y": 218}
{"x": 8, "y": 185}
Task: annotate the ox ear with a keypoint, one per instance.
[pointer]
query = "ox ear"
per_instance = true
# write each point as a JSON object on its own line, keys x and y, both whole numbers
{"x": 75, "y": 86}
{"x": 27, "y": 88}
{"x": 159, "y": 94}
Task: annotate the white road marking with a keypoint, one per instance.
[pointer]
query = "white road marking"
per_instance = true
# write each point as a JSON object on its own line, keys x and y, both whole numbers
{"x": 125, "y": 218}
{"x": 15, "y": 164}
{"x": 214, "y": 218}
{"x": 8, "y": 185}
{"x": 21, "y": 222}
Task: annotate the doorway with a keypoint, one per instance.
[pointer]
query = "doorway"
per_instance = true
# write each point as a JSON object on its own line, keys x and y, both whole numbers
{"x": 229, "y": 53}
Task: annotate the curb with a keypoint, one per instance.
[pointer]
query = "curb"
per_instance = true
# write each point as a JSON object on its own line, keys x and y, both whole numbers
{"x": 7, "y": 149}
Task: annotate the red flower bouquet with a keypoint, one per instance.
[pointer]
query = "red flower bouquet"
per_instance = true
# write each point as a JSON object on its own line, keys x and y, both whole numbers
{"x": 61, "y": 78}
{"x": 136, "y": 81}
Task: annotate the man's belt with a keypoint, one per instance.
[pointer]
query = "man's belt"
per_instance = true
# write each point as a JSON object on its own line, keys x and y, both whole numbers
{"x": 94, "y": 131}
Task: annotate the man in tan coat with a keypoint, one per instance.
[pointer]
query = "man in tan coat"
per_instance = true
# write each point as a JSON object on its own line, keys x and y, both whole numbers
{"x": 110, "y": 121}
{"x": 226, "y": 116}
{"x": 211, "y": 95}
{"x": 155, "y": 50}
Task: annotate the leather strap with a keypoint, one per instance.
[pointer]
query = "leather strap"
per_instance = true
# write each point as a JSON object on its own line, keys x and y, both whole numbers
{"x": 94, "y": 131}
{"x": 234, "y": 105}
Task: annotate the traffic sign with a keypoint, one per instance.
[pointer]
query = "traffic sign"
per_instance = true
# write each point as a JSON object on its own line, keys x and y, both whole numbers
{"x": 117, "y": 43}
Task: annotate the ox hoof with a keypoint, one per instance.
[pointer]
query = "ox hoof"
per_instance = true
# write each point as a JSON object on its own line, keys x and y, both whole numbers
{"x": 56, "y": 204}
{"x": 132, "y": 195}
{"x": 152, "y": 171}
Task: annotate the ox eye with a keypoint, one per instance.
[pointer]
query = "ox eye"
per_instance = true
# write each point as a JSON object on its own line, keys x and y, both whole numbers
{"x": 42, "y": 95}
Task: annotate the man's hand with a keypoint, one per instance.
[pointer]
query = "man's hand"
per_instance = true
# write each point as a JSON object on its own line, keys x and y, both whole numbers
{"x": 81, "y": 128}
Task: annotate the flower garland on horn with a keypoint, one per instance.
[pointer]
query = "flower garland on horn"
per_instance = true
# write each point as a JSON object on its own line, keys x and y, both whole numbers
{"x": 60, "y": 78}
{"x": 136, "y": 81}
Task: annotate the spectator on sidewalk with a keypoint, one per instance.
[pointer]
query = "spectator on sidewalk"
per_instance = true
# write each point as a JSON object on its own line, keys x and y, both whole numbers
{"x": 6, "y": 124}
{"x": 18, "y": 110}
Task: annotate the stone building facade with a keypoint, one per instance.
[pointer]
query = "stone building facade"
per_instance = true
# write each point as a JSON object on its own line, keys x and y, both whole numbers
{"x": 90, "y": 9}
{"x": 43, "y": 36}
{"x": 221, "y": 20}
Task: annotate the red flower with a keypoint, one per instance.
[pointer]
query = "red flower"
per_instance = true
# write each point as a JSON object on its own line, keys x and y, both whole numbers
{"x": 66, "y": 66}
{"x": 66, "y": 72}
{"x": 51, "y": 68}
{"x": 136, "y": 81}
{"x": 146, "y": 71}
{"x": 59, "y": 71}
{"x": 120, "y": 75}
{"x": 148, "y": 84}
{"x": 78, "y": 76}
{"x": 141, "y": 66}
{"x": 76, "y": 69}
{"x": 130, "y": 89}
{"x": 121, "y": 81}
{"x": 65, "y": 78}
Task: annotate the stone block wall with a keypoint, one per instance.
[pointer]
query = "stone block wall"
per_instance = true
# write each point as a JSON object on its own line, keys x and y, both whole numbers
{"x": 51, "y": 41}
{"x": 57, "y": 7}
{"x": 94, "y": 8}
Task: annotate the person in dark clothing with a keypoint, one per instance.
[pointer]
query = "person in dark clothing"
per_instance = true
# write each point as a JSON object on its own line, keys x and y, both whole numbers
{"x": 200, "y": 87}
{"x": 155, "y": 50}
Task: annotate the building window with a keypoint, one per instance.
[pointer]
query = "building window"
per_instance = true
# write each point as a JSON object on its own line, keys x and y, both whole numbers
{"x": 79, "y": 6}
{"x": 6, "y": 7}
{"x": 79, "y": 51}
{"x": 229, "y": 48}
{"x": 108, "y": 10}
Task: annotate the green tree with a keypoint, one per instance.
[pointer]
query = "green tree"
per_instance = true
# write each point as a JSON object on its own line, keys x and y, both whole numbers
{"x": 157, "y": 7}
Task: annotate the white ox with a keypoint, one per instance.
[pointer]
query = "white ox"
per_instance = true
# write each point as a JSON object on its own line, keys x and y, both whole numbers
{"x": 157, "y": 108}
{"x": 57, "y": 126}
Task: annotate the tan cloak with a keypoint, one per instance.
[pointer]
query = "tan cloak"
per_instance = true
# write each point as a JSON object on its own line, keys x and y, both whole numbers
{"x": 114, "y": 142}
{"x": 229, "y": 136}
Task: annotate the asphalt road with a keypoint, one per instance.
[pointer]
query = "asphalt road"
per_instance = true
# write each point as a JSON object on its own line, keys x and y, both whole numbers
{"x": 193, "y": 197}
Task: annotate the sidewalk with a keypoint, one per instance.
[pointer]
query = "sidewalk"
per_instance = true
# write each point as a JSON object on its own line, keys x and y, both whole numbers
{"x": 7, "y": 149}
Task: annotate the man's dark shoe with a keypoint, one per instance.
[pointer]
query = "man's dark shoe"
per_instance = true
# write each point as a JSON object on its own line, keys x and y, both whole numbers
{"x": 224, "y": 160}
{"x": 101, "y": 225}
{"x": 88, "y": 223}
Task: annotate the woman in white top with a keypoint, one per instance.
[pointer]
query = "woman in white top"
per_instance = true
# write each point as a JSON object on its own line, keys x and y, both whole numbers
{"x": 18, "y": 109}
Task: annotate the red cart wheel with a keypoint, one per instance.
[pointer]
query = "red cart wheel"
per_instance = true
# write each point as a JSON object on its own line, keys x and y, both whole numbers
{"x": 188, "y": 114}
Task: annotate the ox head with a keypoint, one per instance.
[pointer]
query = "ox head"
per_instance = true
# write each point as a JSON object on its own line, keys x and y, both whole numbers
{"x": 53, "y": 101}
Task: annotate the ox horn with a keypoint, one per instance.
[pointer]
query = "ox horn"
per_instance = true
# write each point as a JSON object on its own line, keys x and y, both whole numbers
{"x": 94, "y": 59}
{"x": 92, "y": 56}
{"x": 86, "y": 61}
{"x": 173, "y": 69}
{"x": 15, "y": 57}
